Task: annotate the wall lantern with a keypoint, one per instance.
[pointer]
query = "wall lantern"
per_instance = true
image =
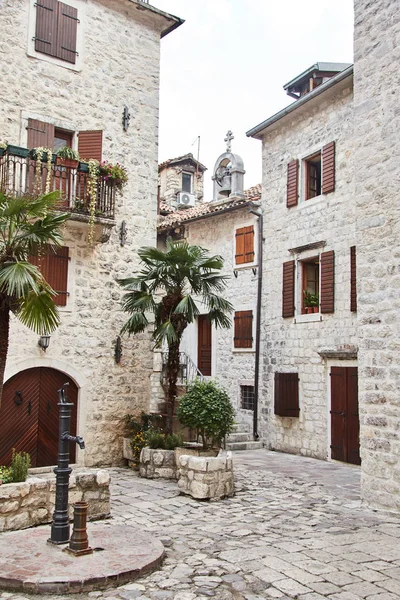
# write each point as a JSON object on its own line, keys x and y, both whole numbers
{"x": 44, "y": 342}
{"x": 123, "y": 231}
{"x": 118, "y": 350}
{"x": 126, "y": 117}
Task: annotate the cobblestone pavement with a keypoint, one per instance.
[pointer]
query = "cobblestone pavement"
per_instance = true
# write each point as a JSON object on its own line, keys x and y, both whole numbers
{"x": 294, "y": 529}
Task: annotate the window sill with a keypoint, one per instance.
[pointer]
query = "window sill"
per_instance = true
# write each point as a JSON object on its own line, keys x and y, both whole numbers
{"x": 311, "y": 201}
{"x": 244, "y": 350}
{"x": 252, "y": 265}
{"x": 308, "y": 318}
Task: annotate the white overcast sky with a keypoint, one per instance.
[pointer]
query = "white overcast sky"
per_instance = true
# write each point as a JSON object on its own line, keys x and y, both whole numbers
{"x": 224, "y": 68}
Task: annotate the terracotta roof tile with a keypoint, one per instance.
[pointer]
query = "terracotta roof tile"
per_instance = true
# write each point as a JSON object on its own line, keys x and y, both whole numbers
{"x": 206, "y": 208}
{"x": 179, "y": 159}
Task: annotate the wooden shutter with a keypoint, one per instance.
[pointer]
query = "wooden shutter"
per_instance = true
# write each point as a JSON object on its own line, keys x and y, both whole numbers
{"x": 287, "y": 394}
{"x": 353, "y": 279}
{"x": 90, "y": 144}
{"x": 67, "y": 32}
{"x": 40, "y": 134}
{"x": 292, "y": 183}
{"x": 328, "y": 168}
{"x": 244, "y": 245}
{"x": 327, "y": 300}
{"x": 53, "y": 264}
{"x": 46, "y": 27}
{"x": 288, "y": 289}
{"x": 243, "y": 336}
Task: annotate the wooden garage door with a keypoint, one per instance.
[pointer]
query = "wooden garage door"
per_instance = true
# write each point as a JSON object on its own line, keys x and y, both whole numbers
{"x": 345, "y": 426}
{"x": 29, "y": 415}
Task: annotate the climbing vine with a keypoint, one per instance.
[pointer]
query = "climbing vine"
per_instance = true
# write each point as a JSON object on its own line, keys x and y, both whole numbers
{"x": 93, "y": 175}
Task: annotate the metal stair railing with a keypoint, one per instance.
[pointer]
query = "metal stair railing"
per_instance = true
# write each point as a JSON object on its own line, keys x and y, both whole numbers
{"x": 188, "y": 370}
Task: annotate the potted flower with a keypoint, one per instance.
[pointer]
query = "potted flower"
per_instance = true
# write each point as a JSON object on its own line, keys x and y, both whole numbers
{"x": 3, "y": 147}
{"x": 67, "y": 157}
{"x": 42, "y": 154}
{"x": 311, "y": 302}
{"x": 115, "y": 173}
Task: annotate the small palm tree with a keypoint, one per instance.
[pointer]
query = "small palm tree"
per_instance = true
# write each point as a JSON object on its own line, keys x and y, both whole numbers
{"x": 26, "y": 225}
{"x": 172, "y": 285}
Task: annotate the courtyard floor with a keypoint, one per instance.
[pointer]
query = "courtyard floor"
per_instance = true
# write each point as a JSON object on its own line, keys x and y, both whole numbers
{"x": 294, "y": 529}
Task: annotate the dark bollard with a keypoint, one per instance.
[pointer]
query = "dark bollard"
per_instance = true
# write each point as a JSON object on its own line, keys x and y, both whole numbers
{"x": 79, "y": 542}
{"x": 60, "y": 525}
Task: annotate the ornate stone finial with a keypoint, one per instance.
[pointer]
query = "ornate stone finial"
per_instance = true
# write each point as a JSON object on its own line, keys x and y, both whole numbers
{"x": 228, "y": 140}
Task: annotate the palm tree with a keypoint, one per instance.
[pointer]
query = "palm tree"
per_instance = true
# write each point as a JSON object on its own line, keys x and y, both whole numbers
{"x": 172, "y": 285}
{"x": 26, "y": 225}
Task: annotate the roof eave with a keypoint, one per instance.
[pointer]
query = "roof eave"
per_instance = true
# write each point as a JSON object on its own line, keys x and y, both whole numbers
{"x": 206, "y": 216}
{"x": 173, "y": 21}
{"x": 258, "y": 130}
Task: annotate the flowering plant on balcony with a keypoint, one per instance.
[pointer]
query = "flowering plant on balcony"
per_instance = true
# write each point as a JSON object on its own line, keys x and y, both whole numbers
{"x": 3, "y": 144}
{"x": 116, "y": 173}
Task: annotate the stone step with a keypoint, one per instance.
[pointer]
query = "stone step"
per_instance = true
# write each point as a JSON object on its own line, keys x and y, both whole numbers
{"x": 244, "y": 446}
{"x": 239, "y": 437}
{"x": 242, "y": 428}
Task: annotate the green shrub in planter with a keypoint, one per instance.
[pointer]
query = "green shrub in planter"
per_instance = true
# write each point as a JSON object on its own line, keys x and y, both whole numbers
{"x": 173, "y": 440}
{"x": 156, "y": 440}
{"x": 206, "y": 407}
{"x": 20, "y": 463}
{"x": 6, "y": 475}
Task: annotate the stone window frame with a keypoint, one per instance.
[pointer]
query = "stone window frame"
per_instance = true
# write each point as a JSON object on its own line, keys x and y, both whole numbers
{"x": 300, "y": 258}
{"x": 81, "y": 7}
{"x": 303, "y": 176}
{"x": 240, "y": 225}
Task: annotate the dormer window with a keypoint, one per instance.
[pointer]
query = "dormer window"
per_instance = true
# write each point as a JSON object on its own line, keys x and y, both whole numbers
{"x": 187, "y": 182}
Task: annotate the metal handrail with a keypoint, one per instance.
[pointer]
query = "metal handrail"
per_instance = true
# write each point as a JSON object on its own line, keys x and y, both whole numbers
{"x": 188, "y": 370}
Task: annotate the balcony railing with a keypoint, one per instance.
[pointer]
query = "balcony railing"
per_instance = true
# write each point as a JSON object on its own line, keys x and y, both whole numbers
{"x": 188, "y": 371}
{"x": 23, "y": 175}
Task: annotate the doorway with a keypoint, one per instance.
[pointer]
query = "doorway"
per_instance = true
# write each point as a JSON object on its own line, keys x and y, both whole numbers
{"x": 204, "y": 345}
{"x": 29, "y": 415}
{"x": 345, "y": 424}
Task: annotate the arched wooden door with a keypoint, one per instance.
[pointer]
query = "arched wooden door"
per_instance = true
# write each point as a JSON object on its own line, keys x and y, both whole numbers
{"x": 29, "y": 415}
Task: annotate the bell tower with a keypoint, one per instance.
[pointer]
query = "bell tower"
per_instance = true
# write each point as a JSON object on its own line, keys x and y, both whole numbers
{"x": 228, "y": 173}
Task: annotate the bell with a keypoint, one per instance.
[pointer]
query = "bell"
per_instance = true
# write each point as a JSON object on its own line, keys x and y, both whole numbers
{"x": 226, "y": 187}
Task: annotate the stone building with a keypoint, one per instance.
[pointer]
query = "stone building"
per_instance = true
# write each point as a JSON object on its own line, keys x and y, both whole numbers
{"x": 83, "y": 74}
{"x": 180, "y": 183}
{"x": 377, "y": 203}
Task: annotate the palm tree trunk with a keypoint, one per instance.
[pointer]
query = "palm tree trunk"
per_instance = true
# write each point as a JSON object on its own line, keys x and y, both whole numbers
{"x": 4, "y": 336}
{"x": 172, "y": 374}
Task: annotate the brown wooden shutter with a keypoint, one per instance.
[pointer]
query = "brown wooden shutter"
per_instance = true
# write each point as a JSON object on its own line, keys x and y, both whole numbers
{"x": 67, "y": 32}
{"x": 243, "y": 336}
{"x": 40, "y": 134}
{"x": 292, "y": 183}
{"x": 287, "y": 394}
{"x": 288, "y": 289}
{"x": 46, "y": 27}
{"x": 53, "y": 264}
{"x": 353, "y": 279}
{"x": 327, "y": 300}
{"x": 328, "y": 168}
{"x": 244, "y": 245}
{"x": 90, "y": 144}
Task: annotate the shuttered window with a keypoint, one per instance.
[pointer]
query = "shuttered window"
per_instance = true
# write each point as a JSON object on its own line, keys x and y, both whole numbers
{"x": 327, "y": 300}
{"x": 353, "y": 280}
{"x": 40, "y": 134}
{"x": 90, "y": 145}
{"x": 328, "y": 168}
{"x": 292, "y": 183}
{"x": 53, "y": 264}
{"x": 243, "y": 336}
{"x": 56, "y": 29}
{"x": 288, "y": 289}
{"x": 244, "y": 245}
{"x": 287, "y": 394}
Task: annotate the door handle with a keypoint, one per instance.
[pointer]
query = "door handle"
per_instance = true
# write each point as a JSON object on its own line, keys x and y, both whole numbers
{"x": 29, "y": 407}
{"x": 48, "y": 407}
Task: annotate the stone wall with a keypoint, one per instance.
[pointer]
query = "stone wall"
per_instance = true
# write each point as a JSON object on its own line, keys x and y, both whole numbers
{"x": 170, "y": 181}
{"x": 292, "y": 344}
{"x": 205, "y": 477}
{"x": 119, "y": 66}
{"x": 156, "y": 464}
{"x": 377, "y": 151}
{"x": 31, "y": 503}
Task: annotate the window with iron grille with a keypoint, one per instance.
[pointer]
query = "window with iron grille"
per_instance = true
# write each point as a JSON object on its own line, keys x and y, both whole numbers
{"x": 247, "y": 397}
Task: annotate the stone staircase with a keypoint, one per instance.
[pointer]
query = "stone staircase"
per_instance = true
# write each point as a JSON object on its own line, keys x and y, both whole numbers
{"x": 242, "y": 438}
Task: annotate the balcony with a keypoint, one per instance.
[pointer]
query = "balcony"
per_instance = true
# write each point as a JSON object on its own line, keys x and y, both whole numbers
{"x": 21, "y": 175}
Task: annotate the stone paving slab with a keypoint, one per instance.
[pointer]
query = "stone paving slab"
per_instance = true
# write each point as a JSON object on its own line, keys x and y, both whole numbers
{"x": 295, "y": 529}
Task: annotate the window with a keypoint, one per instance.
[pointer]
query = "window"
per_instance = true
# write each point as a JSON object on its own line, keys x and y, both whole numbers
{"x": 62, "y": 138}
{"x": 56, "y": 30}
{"x": 187, "y": 182}
{"x": 53, "y": 264}
{"x": 243, "y": 336}
{"x": 312, "y": 174}
{"x": 286, "y": 395}
{"x": 244, "y": 238}
{"x": 316, "y": 285}
{"x": 247, "y": 397}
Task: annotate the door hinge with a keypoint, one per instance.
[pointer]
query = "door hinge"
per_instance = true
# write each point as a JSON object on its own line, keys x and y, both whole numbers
{"x": 43, "y": 6}
{"x": 69, "y": 50}
{"x": 71, "y": 17}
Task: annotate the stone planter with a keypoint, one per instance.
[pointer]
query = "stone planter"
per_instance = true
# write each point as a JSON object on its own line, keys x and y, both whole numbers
{"x": 158, "y": 463}
{"x": 193, "y": 450}
{"x": 206, "y": 478}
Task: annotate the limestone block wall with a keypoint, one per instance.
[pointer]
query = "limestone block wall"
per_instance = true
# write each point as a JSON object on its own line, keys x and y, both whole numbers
{"x": 31, "y": 503}
{"x": 232, "y": 367}
{"x": 118, "y": 66}
{"x": 289, "y": 345}
{"x": 377, "y": 150}
{"x": 170, "y": 181}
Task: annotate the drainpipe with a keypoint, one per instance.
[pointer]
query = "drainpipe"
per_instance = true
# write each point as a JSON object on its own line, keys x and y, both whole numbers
{"x": 259, "y": 215}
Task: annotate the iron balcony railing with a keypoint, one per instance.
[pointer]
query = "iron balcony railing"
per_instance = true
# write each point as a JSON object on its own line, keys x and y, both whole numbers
{"x": 188, "y": 371}
{"x": 21, "y": 175}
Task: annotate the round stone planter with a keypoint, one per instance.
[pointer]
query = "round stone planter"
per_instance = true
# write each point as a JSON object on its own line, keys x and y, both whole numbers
{"x": 155, "y": 464}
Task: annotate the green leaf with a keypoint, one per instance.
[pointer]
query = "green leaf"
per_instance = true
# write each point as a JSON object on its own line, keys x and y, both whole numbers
{"x": 39, "y": 312}
{"x": 187, "y": 307}
{"x": 19, "y": 278}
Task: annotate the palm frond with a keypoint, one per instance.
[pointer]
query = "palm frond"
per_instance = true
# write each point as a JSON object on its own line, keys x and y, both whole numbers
{"x": 19, "y": 278}
{"x": 165, "y": 332}
{"x": 187, "y": 307}
{"x": 138, "y": 301}
{"x": 135, "y": 324}
{"x": 39, "y": 312}
{"x": 219, "y": 318}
